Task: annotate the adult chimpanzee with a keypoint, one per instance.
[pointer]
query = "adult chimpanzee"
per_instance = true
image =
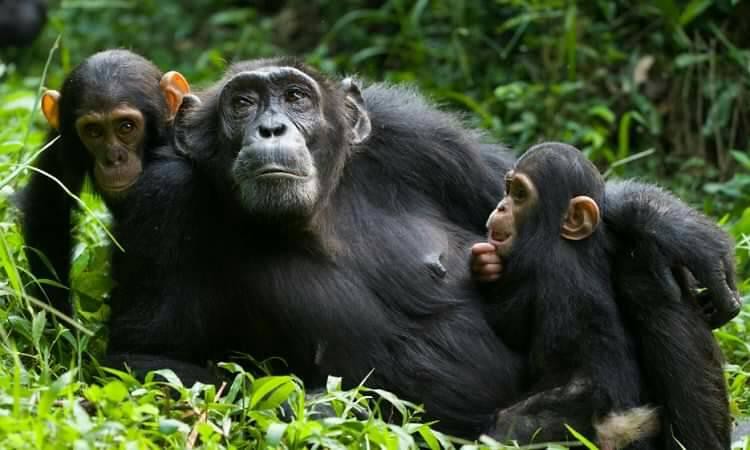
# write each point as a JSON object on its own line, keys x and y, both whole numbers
{"x": 111, "y": 116}
{"x": 555, "y": 302}
{"x": 323, "y": 225}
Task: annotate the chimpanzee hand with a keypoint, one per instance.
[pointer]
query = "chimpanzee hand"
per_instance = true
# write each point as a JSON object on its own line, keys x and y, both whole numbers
{"x": 648, "y": 220}
{"x": 712, "y": 288}
{"x": 486, "y": 265}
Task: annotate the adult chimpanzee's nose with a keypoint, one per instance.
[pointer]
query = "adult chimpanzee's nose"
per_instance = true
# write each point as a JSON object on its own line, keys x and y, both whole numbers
{"x": 268, "y": 131}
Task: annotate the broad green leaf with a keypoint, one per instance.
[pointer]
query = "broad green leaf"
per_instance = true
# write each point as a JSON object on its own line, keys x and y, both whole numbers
{"x": 275, "y": 433}
{"x": 37, "y": 327}
{"x": 171, "y": 426}
{"x": 115, "y": 391}
{"x": 265, "y": 391}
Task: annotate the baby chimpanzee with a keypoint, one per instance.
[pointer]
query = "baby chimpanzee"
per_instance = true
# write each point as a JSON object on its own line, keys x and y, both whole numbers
{"x": 559, "y": 309}
{"x": 591, "y": 361}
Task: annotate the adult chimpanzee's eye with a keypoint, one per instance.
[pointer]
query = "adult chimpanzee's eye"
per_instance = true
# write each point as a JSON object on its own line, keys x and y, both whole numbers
{"x": 242, "y": 104}
{"x": 93, "y": 131}
{"x": 293, "y": 95}
{"x": 126, "y": 127}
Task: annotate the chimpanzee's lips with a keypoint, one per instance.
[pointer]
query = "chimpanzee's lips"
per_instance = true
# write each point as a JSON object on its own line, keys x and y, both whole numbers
{"x": 116, "y": 187}
{"x": 115, "y": 180}
{"x": 499, "y": 237}
{"x": 274, "y": 171}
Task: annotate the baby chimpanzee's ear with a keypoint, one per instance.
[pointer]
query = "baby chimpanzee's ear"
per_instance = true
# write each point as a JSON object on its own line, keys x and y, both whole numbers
{"x": 51, "y": 108}
{"x": 581, "y": 219}
{"x": 175, "y": 87}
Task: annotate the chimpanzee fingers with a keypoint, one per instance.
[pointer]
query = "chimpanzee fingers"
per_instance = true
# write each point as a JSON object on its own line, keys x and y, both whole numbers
{"x": 712, "y": 290}
{"x": 718, "y": 291}
{"x": 487, "y": 270}
{"x": 482, "y": 248}
{"x": 487, "y": 276}
{"x": 490, "y": 269}
{"x": 489, "y": 273}
{"x": 487, "y": 258}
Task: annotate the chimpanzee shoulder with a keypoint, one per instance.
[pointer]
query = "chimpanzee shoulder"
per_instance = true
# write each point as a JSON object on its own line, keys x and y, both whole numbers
{"x": 419, "y": 146}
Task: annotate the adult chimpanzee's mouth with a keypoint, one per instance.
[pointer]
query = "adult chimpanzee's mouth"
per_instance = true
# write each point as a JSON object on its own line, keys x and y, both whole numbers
{"x": 272, "y": 171}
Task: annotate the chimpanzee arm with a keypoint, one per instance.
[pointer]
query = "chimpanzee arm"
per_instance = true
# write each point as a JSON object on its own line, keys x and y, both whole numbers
{"x": 46, "y": 220}
{"x": 647, "y": 219}
{"x": 161, "y": 311}
{"x": 679, "y": 358}
{"x": 435, "y": 153}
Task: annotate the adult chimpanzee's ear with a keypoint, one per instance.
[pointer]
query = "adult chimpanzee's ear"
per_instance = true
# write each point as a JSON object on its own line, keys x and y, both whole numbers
{"x": 355, "y": 105}
{"x": 581, "y": 219}
{"x": 174, "y": 86}
{"x": 182, "y": 124}
{"x": 51, "y": 108}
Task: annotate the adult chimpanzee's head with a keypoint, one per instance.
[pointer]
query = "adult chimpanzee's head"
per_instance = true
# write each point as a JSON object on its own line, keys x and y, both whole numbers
{"x": 281, "y": 134}
{"x": 551, "y": 196}
{"x": 112, "y": 106}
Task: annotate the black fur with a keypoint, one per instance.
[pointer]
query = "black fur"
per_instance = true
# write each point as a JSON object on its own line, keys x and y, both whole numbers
{"x": 559, "y": 294}
{"x": 680, "y": 359}
{"x": 351, "y": 292}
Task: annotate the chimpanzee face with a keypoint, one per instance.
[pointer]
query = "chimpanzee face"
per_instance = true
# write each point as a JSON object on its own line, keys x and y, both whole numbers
{"x": 548, "y": 199}
{"x": 114, "y": 138}
{"x": 112, "y": 109}
{"x": 511, "y": 213}
{"x": 271, "y": 116}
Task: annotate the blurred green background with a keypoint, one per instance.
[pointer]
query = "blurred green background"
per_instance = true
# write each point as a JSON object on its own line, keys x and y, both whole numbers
{"x": 655, "y": 90}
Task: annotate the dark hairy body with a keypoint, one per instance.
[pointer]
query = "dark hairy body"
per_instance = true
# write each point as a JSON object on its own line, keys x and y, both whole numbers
{"x": 303, "y": 219}
{"x": 601, "y": 316}
{"x": 385, "y": 287}
{"x": 680, "y": 359}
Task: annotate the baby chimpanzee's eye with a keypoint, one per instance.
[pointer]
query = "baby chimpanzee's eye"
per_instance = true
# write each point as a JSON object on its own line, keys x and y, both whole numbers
{"x": 518, "y": 191}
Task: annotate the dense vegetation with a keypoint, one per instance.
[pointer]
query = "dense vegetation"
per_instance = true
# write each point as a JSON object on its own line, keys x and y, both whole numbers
{"x": 655, "y": 90}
